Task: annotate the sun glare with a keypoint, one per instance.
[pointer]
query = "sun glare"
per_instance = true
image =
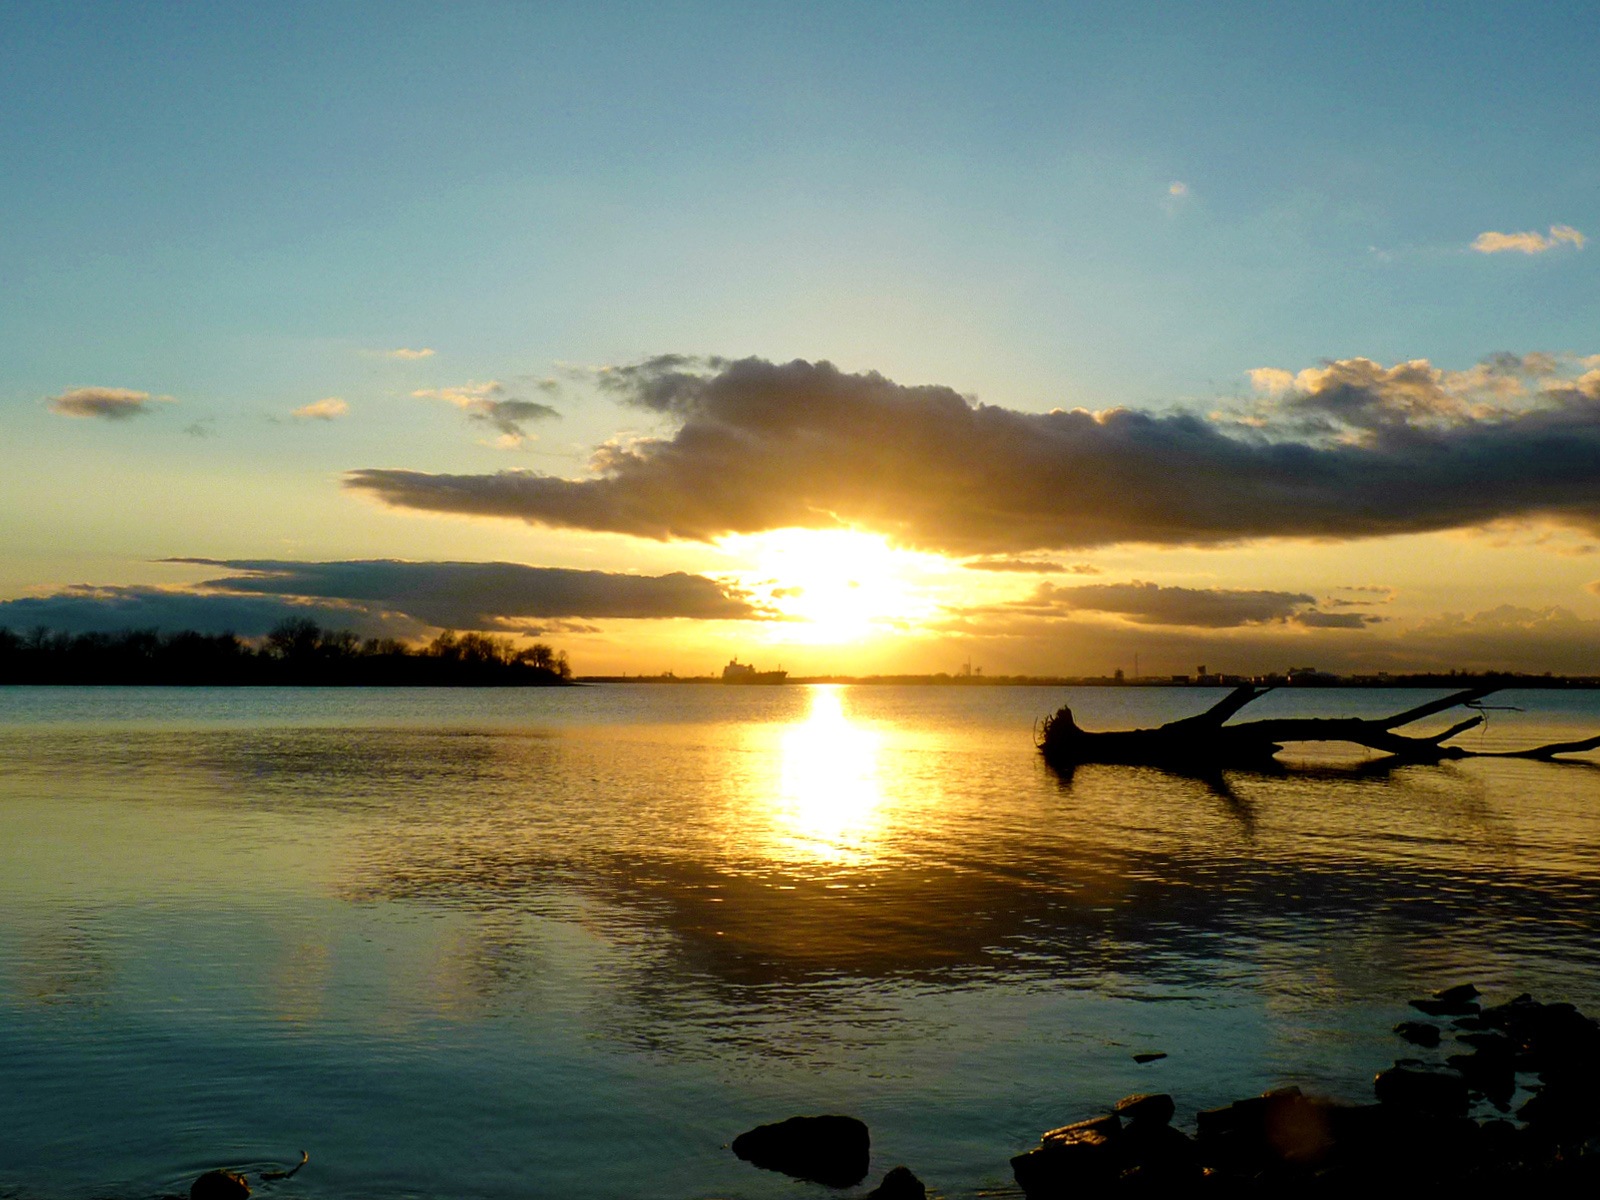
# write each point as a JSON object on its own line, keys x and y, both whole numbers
{"x": 835, "y": 585}
{"x": 829, "y": 789}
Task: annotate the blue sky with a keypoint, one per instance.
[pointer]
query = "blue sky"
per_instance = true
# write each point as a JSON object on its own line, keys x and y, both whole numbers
{"x": 248, "y": 208}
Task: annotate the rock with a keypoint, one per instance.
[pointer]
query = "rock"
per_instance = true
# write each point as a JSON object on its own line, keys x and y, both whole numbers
{"x": 1093, "y": 1132}
{"x": 1155, "y": 1154}
{"x": 1141, "y": 1059}
{"x": 1435, "y": 1007}
{"x": 899, "y": 1184}
{"x": 1417, "y": 1087}
{"x": 220, "y": 1185}
{"x": 1566, "y": 1111}
{"x": 1418, "y": 1033}
{"x": 1462, "y": 993}
{"x": 1488, "y": 1074}
{"x": 1064, "y": 1167}
{"x": 834, "y": 1150}
{"x": 1490, "y": 1042}
{"x": 1083, "y": 1155}
{"x": 1145, "y": 1107}
{"x": 1275, "y": 1127}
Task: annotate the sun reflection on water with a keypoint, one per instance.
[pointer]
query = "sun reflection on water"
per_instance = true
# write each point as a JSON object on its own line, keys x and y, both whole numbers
{"x": 830, "y": 792}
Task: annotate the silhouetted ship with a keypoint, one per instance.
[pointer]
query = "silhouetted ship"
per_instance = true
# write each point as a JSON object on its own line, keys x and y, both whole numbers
{"x": 738, "y": 672}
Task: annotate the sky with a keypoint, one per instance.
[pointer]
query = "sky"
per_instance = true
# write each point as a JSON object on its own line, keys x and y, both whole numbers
{"x": 842, "y": 338}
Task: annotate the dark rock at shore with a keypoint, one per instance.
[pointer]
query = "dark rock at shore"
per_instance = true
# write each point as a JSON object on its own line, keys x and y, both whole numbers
{"x": 1262, "y": 1133}
{"x": 1102, "y": 1153}
{"x": 1444, "y": 1008}
{"x": 1419, "y": 1033}
{"x": 899, "y": 1184}
{"x": 834, "y": 1150}
{"x": 1145, "y": 1107}
{"x": 1420, "y": 1088}
{"x": 1458, "y": 1001}
{"x": 219, "y": 1185}
{"x": 1417, "y": 1136}
{"x": 1083, "y": 1154}
{"x": 1158, "y": 1157}
{"x": 1491, "y": 1073}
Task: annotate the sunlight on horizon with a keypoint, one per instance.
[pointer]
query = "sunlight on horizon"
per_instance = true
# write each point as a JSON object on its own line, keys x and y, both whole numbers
{"x": 837, "y": 585}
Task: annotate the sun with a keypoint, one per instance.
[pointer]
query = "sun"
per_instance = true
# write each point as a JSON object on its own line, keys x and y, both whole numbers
{"x": 836, "y": 586}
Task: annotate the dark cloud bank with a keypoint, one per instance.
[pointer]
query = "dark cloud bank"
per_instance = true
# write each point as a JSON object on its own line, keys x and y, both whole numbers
{"x": 478, "y": 595}
{"x": 382, "y": 596}
{"x": 1198, "y": 608}
{"x": 1349, "y": 451}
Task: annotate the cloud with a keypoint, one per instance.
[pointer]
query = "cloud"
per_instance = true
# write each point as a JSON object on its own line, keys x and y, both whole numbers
{"x": 111, "y": 404}
{"x": 1328, "y": 620}
{"x": 1506, "y": 638}
{"x": 1031, "y": 566}
{"x": 322, "y": 410}
{"x": 1153, "y": 604}
{"x": 1528, "y": 242}
{"x": 1347, "y": 450}
{"x": 490, "y": 404}
{"x": 1177, "y": 188}
{"x": 85, "y": 609}
{"x": 408, "y": 354}
{"x": 1379, "y": 595}
{"x": 384, "y": 598}
{"x": 483, "y": 595}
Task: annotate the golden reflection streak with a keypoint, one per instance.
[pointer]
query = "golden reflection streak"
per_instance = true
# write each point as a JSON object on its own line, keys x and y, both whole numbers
{"x": 829, "y": 793}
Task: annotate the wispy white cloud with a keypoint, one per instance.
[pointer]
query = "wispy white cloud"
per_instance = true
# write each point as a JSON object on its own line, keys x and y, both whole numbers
{"x": 405, "y": 352}
{"x": 110, "y": 404}
{"x": 1178, "y": 197}
{"x": 322, "y": 410}
{"x": 1529, "y": 241}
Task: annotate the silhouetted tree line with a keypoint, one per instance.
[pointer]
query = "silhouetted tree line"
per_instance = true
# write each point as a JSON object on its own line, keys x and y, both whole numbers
{"x": 297, "y": 651}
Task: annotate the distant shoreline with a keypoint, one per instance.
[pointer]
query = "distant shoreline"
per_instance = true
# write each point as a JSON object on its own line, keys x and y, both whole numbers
{"x": 1454, "y": 679}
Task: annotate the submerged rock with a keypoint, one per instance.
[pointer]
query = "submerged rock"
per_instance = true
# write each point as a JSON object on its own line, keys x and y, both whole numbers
{"x": 832, "y": 1149}
{"x": 220, "y": 1185}
{"x": 1462, "y": 993}
{"x": 899, "y": 1184}
{"x": 1419, "y": 1033}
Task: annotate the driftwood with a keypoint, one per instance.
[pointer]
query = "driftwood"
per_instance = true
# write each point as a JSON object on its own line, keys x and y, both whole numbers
{"x": 1204, "y": 741}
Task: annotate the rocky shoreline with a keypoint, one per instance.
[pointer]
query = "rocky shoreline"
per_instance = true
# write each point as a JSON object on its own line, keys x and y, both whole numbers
{"x": 1451, "y": 1119}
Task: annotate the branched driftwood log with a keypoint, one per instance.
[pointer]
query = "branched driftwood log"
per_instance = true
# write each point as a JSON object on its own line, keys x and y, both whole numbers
{"x": 1206, "y": 741}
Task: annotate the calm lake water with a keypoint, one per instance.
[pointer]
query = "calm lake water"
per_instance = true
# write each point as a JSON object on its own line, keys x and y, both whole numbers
{"x": 520, "y": 943}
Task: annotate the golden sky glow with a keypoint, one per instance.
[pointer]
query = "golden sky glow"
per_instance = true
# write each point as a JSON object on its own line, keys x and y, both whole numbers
{"x": 1031, "y": 344}
{"x": 837, "y": 587}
